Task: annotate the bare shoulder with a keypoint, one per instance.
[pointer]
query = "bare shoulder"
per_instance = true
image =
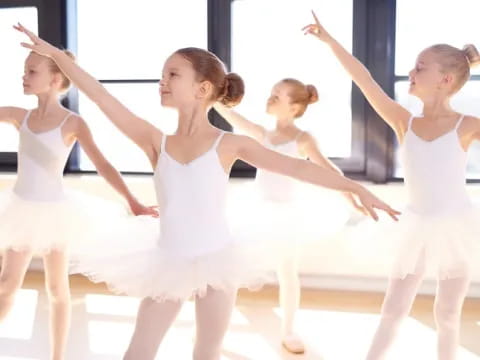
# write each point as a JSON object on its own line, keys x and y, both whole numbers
{"x": 306, "y": 142}
{"x": 18, "y": 113}
{"x": 75, "y": 123}
{"x": 471, "y": 120}
{"x": 234, "y": 146}
{"x": 305, "y": 138}
{"x": 469, "y": 130}
{"x": 231, "y": 140}
{"x": 470, "y": 124}
{"x": 12, "y": 114}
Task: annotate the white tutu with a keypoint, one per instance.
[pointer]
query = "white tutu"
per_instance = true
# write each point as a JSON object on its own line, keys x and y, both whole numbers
{"x": 445, "y": 245}
{"x": 137, "y": 266}
{"x": 72, "y": 223}
{"x": 442, "y": 245}
{"x": 313, "y": 214}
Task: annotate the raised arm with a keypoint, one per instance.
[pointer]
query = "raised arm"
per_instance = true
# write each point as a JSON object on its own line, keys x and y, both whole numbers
{"x": 393, "y": 113}
{"x": 105, "y": 169}
{"x": 12, "y": 115}
{"x": 309, "y": 148}
{"x": 144, "y": 134}
{"x": 240, "y": 122}
{"x": 255, "y": 154}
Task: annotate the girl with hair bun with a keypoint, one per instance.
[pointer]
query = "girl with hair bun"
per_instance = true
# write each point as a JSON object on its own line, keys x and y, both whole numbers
{"x": 284, "y": 207}
{"x": 195, "y": 255}
{"x": 439, "y": 232}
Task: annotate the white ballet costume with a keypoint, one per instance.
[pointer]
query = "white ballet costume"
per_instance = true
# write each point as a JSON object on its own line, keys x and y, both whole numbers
{"x": 439, "y": 231}
{"x": 38, "y": 214}
{"x": 193, "y": 248}
{"x": 299, "y": 212}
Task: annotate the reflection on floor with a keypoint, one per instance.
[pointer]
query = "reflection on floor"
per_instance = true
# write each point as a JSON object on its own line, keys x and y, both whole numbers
{"x": 335, "y": 326}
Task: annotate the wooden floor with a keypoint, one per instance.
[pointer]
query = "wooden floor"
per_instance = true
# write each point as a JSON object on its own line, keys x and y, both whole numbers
{"x": 335, "y": 325}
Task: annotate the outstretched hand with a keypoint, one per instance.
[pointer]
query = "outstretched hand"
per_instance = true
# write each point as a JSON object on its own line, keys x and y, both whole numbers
{"x": 370, "y": 202}
{"x": 354, "y": 202}
{"x": 316, "y": 29}
{"x": 38, "y": 45}
{"x": 138, "y": 208}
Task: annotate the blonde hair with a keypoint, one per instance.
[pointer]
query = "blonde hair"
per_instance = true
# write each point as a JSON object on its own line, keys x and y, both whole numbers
{"x": 66, "y": 83}
{"x": 301, "y": 94}
{"x": 456, "y": 61}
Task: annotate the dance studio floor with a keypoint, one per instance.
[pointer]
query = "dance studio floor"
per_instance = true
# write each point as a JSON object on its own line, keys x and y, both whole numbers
{"x": 335, "y": 325}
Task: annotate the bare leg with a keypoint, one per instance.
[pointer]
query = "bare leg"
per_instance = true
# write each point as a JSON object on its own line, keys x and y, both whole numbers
{"x": 213, "y": 312}
{"x": 153, "y": 321}
{"x": 14, "y": 267}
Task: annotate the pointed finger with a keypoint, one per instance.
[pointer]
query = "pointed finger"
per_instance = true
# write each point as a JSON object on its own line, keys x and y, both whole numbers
{"x": 307, "y": 26}
{"x": 315, "y": 17}
{"x": 372, "y": 213}
{"x": 29, "y": 33}
{"x": 391, "y": 212}
{"x": 28, "y": 46}
{"x": 394, "y": 214}
{"x": 22, "y": 28}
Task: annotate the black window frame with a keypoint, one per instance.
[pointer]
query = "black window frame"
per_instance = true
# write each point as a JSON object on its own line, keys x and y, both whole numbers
{"x": 51, "y": 27}
{"x": 373, "y": 44}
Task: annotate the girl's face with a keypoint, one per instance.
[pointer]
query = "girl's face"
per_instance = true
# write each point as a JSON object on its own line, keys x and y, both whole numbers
{"x": 427, "y": 78}
{"x": 38, "y": 78}
{"x": 179, "y": 86}
{"x": 279, "y": 103}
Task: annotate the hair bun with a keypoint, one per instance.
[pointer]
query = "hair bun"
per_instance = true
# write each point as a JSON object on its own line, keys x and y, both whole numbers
{"x": 233, "y": 90}
{"x": 312, "y": 93}
{"x": 472, "y": 54}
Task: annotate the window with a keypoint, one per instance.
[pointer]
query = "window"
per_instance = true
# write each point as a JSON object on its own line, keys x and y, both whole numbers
{"x": 127, "y": 49}
{"x": 11, "y": 71}
{"x": 127, "y": 55}
{"x": 268, "y": 45}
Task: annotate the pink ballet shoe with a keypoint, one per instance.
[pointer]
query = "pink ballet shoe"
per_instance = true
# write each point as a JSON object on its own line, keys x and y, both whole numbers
{"x": 292, "y": 343}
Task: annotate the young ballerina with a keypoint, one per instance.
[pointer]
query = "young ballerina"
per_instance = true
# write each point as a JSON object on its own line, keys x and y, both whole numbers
{"x": 439, "y": 231}
{"x": 195, "y": 255}
{"x": 288, "y": 102}
{"x": 56, "y": 219}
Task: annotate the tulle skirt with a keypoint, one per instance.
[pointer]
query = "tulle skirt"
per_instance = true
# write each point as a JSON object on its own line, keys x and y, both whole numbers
{"x": 312, "y": 214}
{"x": 136, "y": 264}
{"x": 443, "y": 245}
{"x": 71, "y": 224}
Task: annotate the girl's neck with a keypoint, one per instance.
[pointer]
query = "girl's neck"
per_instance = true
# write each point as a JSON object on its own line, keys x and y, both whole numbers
{"x": 285, "y": 123}
{"x": 47, "y": 104}
{"x": 193, "y": 121}
{"x": 436, "y": 107}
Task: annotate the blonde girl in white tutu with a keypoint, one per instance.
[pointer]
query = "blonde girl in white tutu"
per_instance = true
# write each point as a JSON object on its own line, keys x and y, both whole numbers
{"x": 195, "y": 255}
{"x": 38, "y": 216}
{"x": 440, "y": 229}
